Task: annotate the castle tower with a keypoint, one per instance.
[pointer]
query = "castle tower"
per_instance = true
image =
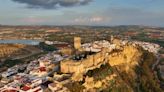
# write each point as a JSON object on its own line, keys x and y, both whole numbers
{"x": 77, "y": 43}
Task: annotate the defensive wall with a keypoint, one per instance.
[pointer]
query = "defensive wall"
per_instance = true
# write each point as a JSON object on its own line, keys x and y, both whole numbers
{"x": 82, "y": 66}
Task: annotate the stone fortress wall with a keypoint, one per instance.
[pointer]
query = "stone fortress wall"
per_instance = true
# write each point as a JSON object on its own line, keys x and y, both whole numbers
{"x": 82, "y": 66}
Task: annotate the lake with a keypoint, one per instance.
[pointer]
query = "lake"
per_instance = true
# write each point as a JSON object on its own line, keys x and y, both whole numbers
{"x": 26, "y": 42}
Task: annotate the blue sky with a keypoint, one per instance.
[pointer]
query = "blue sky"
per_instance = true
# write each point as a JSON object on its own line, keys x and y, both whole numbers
{"x": 82, "y": 12}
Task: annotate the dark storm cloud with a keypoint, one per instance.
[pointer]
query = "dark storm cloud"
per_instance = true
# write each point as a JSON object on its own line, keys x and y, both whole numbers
{"x": 51, "y": 4}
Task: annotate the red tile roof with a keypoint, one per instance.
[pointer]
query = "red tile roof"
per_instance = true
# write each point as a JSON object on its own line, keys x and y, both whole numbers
{"x": 26, "y": 88}
{"x": 42, "y": 69}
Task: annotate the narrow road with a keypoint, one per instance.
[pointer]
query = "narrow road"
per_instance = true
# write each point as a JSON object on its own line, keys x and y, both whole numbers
{"x": 157, "y": 62}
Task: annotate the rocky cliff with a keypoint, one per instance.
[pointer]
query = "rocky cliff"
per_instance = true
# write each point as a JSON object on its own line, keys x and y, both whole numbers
{"x": 133, "y": 65}
{"x": 128, "y": 70}
{"x": 128, "y": 55}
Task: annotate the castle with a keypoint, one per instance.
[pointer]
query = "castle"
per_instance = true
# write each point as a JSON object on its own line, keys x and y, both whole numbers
{"x": 114, "y": 54}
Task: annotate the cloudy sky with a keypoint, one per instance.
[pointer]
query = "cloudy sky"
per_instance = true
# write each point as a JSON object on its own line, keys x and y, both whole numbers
{"x": 82, "y": 12}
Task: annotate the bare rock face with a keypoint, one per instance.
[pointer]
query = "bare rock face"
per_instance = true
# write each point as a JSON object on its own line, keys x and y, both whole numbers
{"x": 90, "y": 83}
{"x": 130, "y": 56}
{"x": 77, "y": 77}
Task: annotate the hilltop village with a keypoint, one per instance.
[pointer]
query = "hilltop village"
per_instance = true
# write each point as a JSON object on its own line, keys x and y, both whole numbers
{"x": 89, "y": 67}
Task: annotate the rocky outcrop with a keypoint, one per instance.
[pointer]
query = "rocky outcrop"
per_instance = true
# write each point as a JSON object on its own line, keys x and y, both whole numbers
{"x": 130, "y": 65}
{"x": 90, "y": 83}
{"x": 130, "y": 56}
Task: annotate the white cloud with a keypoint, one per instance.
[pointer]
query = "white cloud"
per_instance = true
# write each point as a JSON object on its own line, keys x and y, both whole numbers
{"x": 92, "y": 19}
{"x": 96, "y": 19}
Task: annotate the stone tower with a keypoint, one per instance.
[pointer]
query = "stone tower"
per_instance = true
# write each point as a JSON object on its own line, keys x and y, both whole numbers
{"x": 77, "y": 43}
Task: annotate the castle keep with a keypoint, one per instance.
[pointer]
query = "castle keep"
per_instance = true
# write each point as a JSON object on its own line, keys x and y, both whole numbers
{"x": 77, "y": 43}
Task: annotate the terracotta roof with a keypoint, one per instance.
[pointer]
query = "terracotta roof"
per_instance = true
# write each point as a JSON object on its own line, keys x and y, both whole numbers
{"x": 42, "y": 69}
{"x": 26, "y": 88}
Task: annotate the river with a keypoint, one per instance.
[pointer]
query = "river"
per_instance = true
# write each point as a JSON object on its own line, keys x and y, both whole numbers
{"x": 26, "y": 42}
